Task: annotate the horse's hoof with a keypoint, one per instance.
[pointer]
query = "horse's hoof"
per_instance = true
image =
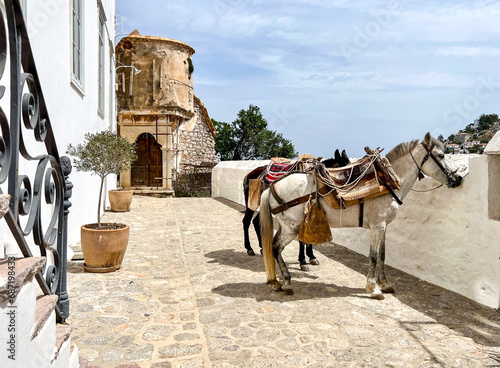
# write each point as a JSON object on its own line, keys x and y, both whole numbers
{"x": 251, "y": 253}
{"x": 375, "y": 292}
{"x": 287, "y": 289}
{"x": 275, "y": 285}
{"x": 304, "y": 268}
{"x": 314, "y": 262}
{"x": 377, "y": 295}
{"x": 387, "y": 288}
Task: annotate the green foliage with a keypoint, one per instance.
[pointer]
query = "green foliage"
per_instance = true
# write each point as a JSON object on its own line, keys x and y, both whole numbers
{"x": 451, "y": 138}
{"x": 248, "y": 138}
{"x": 486, "y": 121}
{"x": 440, "y": 138}
{"x": 190, "y": 67}
{"x": 101, "y": 154}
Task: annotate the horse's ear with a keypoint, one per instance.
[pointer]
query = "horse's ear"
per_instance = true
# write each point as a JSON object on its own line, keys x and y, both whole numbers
{"x": 337, "y": 155}
{"x": 428, "y": 139}
{"x": 344, "y": 156}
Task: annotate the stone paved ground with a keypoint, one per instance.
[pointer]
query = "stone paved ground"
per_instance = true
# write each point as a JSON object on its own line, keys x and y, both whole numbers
{"x": 188, "y": 296}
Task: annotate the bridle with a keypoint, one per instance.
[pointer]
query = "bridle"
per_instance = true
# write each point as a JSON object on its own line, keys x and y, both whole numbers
{"x": 449, "y": 175}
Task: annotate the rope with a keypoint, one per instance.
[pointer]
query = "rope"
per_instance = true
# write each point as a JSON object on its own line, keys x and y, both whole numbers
{"x": 346, "y": 188}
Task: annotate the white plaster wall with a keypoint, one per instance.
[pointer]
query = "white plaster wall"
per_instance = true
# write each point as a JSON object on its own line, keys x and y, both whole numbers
{"x": 72, "y": 112}
{"x": 227, "y": 178}
{"x": 24, "y": 322}
{"x": 443, "y": 236}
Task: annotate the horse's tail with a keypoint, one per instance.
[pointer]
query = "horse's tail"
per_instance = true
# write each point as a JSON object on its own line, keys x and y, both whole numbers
{"x": 246, "y": 181}
{"x": 267, "y": 232}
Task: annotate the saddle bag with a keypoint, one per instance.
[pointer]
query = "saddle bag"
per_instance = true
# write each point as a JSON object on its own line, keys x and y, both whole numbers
{"x": 314, "y": 228}
{"x": 254, "y": 192}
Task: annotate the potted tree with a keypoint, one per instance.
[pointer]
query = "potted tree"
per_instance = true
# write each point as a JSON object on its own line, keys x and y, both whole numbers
{"x": 103, "y": 153}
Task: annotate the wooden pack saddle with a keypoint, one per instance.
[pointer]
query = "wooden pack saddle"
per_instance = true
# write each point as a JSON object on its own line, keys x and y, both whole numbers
{"x": 370, "y": 176}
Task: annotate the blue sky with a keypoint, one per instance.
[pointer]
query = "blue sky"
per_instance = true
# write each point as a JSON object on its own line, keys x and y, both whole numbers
{"x": 340, "y": 73}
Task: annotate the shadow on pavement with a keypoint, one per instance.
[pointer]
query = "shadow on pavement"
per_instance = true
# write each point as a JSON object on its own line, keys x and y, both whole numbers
{"x": 470, "y": 319}
{"x": 235, "y": 206}
{"x": 302, "y": 291}
{"x": 239, "y": 259}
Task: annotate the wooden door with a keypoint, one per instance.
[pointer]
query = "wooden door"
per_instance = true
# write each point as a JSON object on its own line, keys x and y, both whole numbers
{"x": 148, "y": 165}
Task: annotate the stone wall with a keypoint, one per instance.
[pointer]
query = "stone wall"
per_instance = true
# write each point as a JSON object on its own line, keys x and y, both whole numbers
{"x": 197, "y": 149}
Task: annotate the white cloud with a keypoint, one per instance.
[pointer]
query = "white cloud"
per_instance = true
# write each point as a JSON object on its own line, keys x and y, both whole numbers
{"x": 468, "y": 51}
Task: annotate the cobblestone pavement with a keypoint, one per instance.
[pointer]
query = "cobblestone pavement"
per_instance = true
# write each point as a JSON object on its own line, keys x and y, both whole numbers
{"x": 188, "y": 296}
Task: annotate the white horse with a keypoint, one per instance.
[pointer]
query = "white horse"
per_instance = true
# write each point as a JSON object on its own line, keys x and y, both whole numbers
{"x": 408, "y": 160}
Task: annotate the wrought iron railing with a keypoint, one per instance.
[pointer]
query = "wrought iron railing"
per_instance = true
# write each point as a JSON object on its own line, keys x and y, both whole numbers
{"x": 29, "y": 130}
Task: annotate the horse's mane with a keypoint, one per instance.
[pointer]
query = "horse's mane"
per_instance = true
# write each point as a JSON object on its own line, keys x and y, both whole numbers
{"x": 403, "y": 148}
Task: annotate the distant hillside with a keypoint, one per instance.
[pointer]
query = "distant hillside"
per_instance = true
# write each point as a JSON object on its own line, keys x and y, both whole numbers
{"x": 474, "y": 137}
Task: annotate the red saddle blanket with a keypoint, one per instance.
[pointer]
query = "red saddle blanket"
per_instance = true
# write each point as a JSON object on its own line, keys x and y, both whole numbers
{"x": 276, "y": 171}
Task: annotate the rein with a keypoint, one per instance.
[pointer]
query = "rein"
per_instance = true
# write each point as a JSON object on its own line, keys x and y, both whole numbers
{"x": 425, "y": 191}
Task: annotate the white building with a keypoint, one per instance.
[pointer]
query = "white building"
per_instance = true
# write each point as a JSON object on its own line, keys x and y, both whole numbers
{"x": 73, "y": 47}
{"x": 69, "y": 82}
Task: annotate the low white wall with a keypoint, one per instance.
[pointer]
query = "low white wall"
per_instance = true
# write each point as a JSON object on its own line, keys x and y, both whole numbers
{"x": 227, "y": 179}
{"x": 443, "y": 236}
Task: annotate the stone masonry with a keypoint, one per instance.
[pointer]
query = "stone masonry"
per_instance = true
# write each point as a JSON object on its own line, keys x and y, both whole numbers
{"x": 197, "y": 148}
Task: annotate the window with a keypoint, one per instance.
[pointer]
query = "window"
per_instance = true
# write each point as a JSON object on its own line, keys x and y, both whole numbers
{"x": 102, "y": 20}
{"x": 77, "y": 38}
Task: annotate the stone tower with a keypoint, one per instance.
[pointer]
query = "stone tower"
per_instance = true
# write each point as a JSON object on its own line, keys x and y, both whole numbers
{"x": 155, "y": 98}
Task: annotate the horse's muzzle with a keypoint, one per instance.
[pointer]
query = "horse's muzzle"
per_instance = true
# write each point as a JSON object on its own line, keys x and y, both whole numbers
{"x": 454, "y": 180}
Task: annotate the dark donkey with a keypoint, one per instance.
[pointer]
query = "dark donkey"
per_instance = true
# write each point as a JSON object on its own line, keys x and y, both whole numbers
{"x": 339, "y": 160}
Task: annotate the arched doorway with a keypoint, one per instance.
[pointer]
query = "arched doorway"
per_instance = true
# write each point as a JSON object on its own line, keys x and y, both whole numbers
{"x": 149, "y": 163}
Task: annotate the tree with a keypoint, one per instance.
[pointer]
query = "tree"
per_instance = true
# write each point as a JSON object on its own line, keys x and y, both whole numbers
{"x": 486, "y": 121}
{"x": 103, "y": 153}
{"x": 440, "y": 138}
{"x": 451, "y": 138}
{"x": 248, "y": 138}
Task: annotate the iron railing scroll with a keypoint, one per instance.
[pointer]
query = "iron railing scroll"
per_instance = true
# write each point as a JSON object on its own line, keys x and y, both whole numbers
{"x": 39, "y": 202}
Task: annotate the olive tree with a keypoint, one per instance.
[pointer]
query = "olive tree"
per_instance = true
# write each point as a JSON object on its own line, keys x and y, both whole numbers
{"x": 101, "y": 154}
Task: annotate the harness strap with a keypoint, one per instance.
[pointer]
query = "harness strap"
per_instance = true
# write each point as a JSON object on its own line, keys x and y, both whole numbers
{"x": 280, "y": 200}
{"x": 295, "y": 202}
{"x": 400, "y": 202}
{"x": 387, "y": 186}
{"x": 429, "y": 153}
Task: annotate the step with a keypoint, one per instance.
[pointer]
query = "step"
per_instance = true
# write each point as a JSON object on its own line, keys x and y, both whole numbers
{"x": 45, "y": 305}
{"x": 22, "y": 271}
{"x": 63, "y": 343}
{"x": 77, "y": 252}
{"x": 73, "y": 358}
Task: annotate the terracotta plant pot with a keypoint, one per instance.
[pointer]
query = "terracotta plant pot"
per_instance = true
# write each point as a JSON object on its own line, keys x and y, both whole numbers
{"x": 120, "y": 200}
{"x": 103, "y": 250}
